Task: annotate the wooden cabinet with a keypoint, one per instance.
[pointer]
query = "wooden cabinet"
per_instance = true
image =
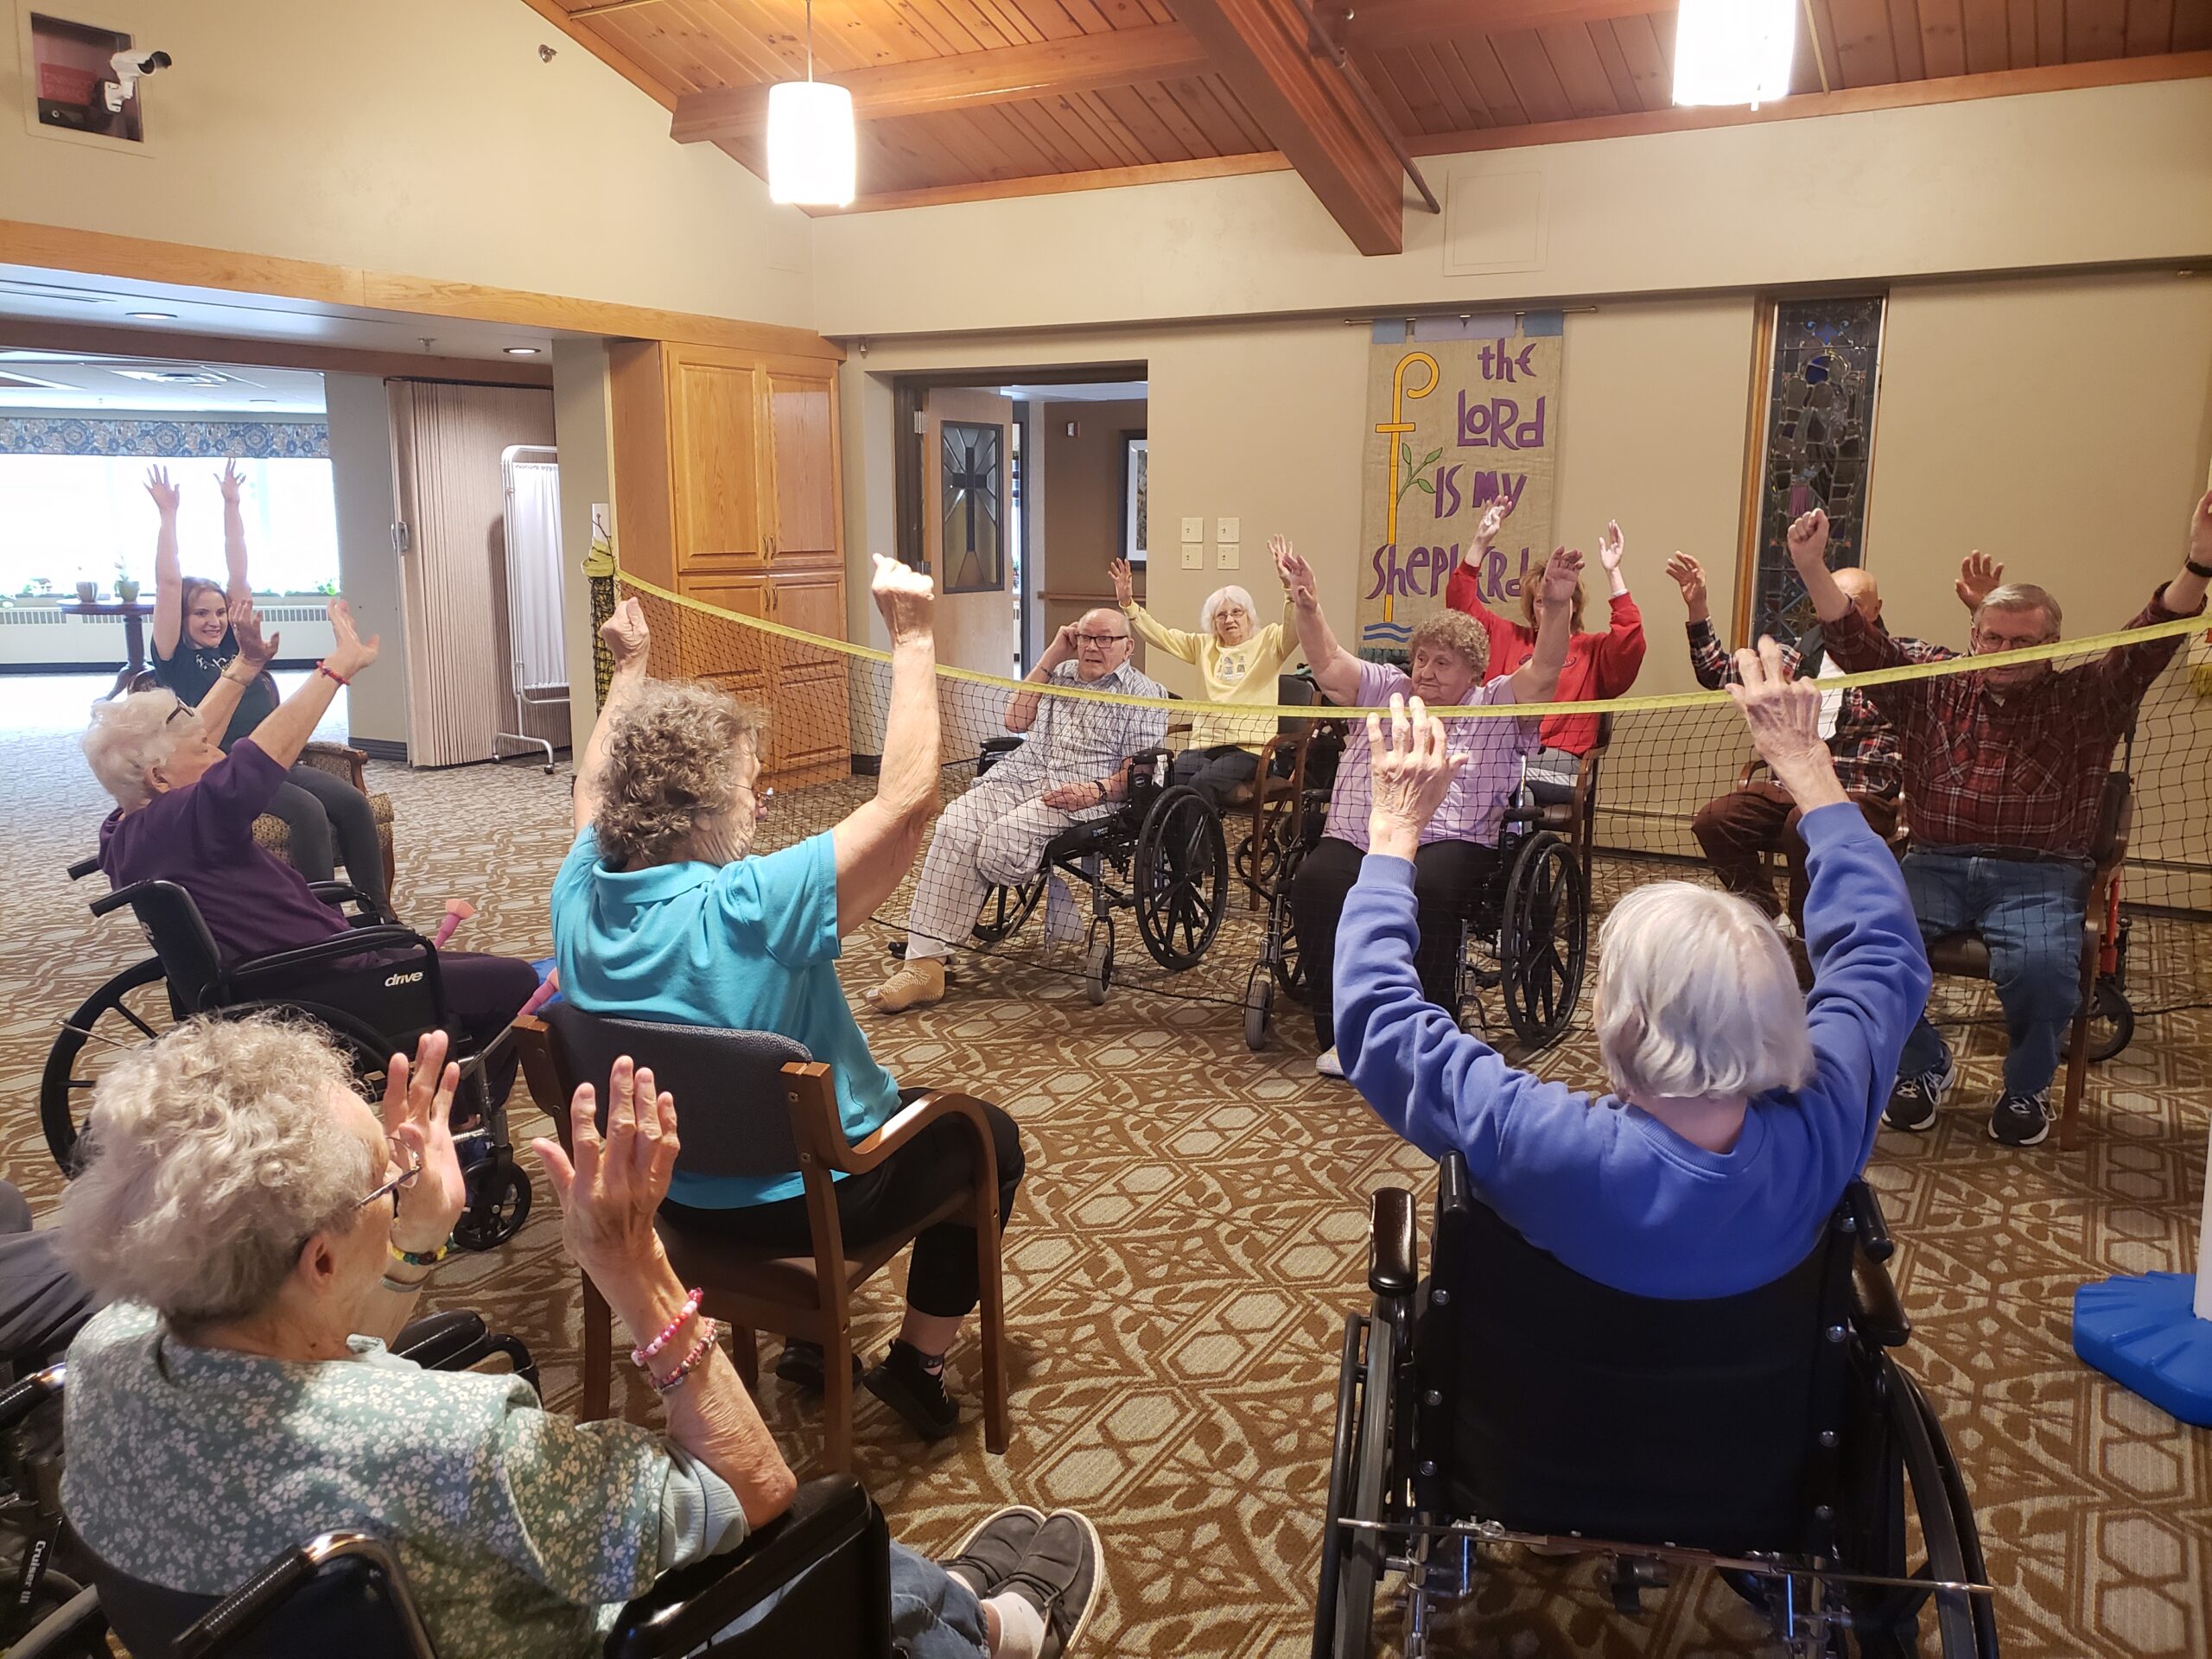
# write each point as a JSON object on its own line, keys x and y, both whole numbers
{"x": 727, "y": 491}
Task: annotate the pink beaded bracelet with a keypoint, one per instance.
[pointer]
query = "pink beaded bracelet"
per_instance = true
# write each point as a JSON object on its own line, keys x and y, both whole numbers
{"x": 676, "y": 1379}
{"x": 642, "y": 1357}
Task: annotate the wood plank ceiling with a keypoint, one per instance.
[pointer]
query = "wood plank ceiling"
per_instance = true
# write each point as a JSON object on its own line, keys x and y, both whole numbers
{"x": 959, "y": 99}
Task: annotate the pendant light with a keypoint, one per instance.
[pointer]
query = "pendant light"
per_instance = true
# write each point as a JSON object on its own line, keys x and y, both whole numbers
{"x": 1734, "y": 51}
{"x": 810, "y": 143}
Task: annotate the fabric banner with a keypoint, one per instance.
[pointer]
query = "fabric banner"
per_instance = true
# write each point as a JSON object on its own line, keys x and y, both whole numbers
{"x": 1452, "y": 425}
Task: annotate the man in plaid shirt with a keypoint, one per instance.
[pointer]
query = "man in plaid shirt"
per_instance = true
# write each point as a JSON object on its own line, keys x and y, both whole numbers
{"x": 1737, "y": 830}
{"x": 2004, "y": 769}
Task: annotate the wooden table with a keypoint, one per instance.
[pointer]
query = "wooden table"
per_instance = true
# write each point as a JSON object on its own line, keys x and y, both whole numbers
{"x": 134, "y": 615}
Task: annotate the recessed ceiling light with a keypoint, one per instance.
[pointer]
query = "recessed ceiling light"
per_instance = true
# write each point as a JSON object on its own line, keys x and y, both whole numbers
{"x": 520, "y": 350}
{"x": 152, "y": 316}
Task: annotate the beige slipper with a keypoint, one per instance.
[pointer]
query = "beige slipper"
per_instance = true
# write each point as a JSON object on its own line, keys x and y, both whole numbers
{"x": 917, "y": 983}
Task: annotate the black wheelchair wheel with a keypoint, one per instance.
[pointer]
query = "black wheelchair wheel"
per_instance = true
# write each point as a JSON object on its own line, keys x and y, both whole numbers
{"x": 1544, "y": 939}
{"x": 1360, "y": 1571}
{"x": 2112, "y": 1020}
{"x": 497, "y": 1209}
{"x": 1005, "y": 909}
{"x": 1181, "y": 878}
{"x": 131, "y": 1009}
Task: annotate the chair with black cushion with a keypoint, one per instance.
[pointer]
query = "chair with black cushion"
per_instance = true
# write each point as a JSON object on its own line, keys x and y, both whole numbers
{"x": 754, "y": 1105}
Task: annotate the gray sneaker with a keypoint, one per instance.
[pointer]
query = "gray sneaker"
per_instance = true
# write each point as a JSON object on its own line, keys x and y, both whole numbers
{"x": 1058, "y": 1576}
{"x": 1913, "y": 1099}
{"x": 2020, "y": 1120}
{"x": 990, "y": 1553}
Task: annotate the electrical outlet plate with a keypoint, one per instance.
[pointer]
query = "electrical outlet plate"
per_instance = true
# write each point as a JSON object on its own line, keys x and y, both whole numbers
{"x": 1229, "y": 529}
{"x": 1194, "y": 556}
{"x": 1194, "y": 530}
{"x": 1224, "y": 557}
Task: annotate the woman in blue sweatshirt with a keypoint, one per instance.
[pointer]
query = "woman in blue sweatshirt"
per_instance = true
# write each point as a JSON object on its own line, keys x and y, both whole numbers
{"x": 1738, "y": 1113}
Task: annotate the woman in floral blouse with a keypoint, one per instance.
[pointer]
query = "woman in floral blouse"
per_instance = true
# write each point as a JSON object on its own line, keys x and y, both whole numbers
{"x": 263, "y": 1235}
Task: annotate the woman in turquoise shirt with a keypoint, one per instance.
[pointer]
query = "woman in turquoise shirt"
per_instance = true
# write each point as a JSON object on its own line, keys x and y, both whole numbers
{"x": 661, "y": 912}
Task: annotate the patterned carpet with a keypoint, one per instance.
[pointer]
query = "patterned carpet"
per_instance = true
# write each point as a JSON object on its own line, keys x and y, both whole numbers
{"x": 1192, "y": 1232}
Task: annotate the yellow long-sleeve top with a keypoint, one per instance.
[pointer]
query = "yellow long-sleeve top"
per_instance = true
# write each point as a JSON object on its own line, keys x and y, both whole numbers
{"x": 1244, "y": 673}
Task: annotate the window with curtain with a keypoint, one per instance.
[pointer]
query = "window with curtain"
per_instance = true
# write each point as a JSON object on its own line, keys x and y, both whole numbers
{"x": 71, "y": 518}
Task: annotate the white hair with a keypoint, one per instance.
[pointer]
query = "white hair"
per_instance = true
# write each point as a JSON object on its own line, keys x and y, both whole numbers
{"x": 1221, "y": 596}
{"x": 212, "y": 1156}
{"x": 2021, "y": 596}
{"x": 132, "y": 735}
{"x": 1696, "y": 996}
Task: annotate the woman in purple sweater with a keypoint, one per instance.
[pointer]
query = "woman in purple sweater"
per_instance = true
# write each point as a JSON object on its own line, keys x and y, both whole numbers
{"x": 1737, "y": 1113}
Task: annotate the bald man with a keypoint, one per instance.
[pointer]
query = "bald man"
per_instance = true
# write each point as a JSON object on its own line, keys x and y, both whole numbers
{"x": 1760, "y": 817}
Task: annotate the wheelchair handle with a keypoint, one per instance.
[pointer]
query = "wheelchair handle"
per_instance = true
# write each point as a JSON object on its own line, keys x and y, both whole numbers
{"x": 84, "y": 866}
{"x": 26, "y": 1394}
{"x": 1866, "y": 1212}
{"x": 120, "y": 897}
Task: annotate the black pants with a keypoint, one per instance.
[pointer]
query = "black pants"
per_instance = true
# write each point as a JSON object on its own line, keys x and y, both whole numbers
{"x": 40, "y": 1305}
{"x": 941, "y": 1281}
{"x": 1216, "y": 773}
{"x": 1447, "y": 876}
{"x": 327, "y": 819}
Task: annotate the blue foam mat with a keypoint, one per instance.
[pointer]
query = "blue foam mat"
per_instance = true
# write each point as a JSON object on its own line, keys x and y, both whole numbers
{"x": 2140, "y": 1330}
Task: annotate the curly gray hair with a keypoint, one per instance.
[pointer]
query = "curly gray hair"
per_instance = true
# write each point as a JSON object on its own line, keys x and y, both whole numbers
{"x": 671, "y": 771}
{"x": 1456, "y": 632}
{"x": 132, "y": 735}
{"x": 213, "y": 1156}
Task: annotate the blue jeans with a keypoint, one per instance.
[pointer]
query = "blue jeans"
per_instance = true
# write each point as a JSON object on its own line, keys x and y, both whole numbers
{"x": 934, "y": 1614}
{"x": 2030, "y": 915}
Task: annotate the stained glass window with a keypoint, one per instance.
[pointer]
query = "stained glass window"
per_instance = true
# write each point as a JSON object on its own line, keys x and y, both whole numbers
{"x": 1818, "y": 448}
{"x": 974, "y": 544}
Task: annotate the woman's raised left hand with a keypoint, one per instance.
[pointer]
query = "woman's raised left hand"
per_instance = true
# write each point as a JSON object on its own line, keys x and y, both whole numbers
{"x": 418, "y": 1113}
{"x": 1413, "y": 767}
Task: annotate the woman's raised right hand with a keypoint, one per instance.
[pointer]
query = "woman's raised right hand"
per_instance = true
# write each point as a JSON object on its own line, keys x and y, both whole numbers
{"x": 610, "y": 1192}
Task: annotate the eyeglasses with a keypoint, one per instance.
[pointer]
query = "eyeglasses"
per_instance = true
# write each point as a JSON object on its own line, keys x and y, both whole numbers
{"x": 1101, "y": 640}
{"x": 409, "y": 1169}
{"x": 182, "y": 708}
{"x": 2003, "y": 642}
{"x": 761, "y": 797}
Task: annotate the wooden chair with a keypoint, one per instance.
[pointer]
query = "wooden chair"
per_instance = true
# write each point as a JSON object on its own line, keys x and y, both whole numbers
{"x": 754, "y": 1105}
{"x": 340, "y": 761}
{"x": 1964, "y": 956}
{"x": 1272, "y": 798}
{"x": 1577, "y": 819}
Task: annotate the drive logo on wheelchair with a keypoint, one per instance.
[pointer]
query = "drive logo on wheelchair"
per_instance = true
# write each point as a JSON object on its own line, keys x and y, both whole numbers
{"x": 415, "y": 978}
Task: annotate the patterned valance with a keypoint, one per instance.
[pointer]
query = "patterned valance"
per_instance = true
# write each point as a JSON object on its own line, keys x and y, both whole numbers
{"x": 79, "y": 435}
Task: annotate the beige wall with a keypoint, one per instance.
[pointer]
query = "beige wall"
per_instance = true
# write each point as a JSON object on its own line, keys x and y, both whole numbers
{"x": 359, "y": 414}
{"x": 418, "y": 137}
{"x": 583, "y": 430}
{"x": 2098, "y": 176}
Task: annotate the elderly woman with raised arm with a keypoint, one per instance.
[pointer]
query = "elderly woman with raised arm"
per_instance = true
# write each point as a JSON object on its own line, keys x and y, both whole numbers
{"x": 1737, "y": 1113}
{"x": 263, "y": 1233}
{"x": 663, "y": 911}
{"x": 196, "y": 644}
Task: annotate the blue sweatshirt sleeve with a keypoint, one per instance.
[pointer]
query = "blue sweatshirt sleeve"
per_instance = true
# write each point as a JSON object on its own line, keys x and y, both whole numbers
{"x": 1870, "y": 983}
{"x": 1431, "y": 1082}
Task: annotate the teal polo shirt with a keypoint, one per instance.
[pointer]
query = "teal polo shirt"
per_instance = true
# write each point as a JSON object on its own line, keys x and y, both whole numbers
{"x": 747, "y": 946}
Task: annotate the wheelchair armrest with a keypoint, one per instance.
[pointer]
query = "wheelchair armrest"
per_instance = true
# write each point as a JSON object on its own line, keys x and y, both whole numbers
{"x": 1393, "y": 1264}
{"x": 77, "y": 1627}
{"x": 434, "y": 1341}
{"x": 353, "y": 943}
{"x": 1875, "y": 1308}
{"x": 274, "y": 1584}
{"x": 1873, "y": 1228}
{"x": 84, "y": 866}
{"x": 689, "y": 1605}
{"x": 26, "y": 1394}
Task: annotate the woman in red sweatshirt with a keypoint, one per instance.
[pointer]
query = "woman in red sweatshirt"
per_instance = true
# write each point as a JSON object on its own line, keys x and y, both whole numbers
{"x": 1599, "y": 666}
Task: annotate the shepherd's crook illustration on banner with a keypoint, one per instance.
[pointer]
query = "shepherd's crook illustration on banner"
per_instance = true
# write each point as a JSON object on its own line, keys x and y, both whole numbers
{"x": 1452, "y": 425}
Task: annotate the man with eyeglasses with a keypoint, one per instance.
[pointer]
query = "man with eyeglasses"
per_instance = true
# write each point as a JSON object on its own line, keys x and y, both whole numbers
{"x": 2004, "y": 770}
{"x": 1073, "y": 768}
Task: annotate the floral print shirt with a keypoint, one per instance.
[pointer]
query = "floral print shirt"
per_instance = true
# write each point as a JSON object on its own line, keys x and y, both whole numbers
{"x": 522, "y": 1533}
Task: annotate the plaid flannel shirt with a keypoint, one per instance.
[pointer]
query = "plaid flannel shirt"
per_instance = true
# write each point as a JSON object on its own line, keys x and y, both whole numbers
{"x": 2021, "y": 769}
{"x": 1864, "y": 745}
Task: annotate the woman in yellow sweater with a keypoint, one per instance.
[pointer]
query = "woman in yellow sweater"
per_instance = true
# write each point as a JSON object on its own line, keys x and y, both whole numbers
{"x": 1238, "y": 660}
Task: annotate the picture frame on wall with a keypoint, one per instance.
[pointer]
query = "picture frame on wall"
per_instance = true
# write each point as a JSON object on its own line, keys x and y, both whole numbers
{"x": 1135, "y": 498}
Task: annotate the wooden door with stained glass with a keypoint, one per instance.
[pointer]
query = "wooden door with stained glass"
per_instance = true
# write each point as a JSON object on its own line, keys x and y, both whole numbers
{"x": 966, "y": 523}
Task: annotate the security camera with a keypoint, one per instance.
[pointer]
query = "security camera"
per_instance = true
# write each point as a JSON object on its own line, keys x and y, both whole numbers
{"x": 128, "y": 66}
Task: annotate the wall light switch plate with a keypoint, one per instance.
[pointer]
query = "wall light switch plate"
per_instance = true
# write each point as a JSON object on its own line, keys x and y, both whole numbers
{"x": 1229, "y": 529}
{"x": 1194, "y": 530}
{"x": 1194, "y": 556}
{"x": 1224, "y": 557}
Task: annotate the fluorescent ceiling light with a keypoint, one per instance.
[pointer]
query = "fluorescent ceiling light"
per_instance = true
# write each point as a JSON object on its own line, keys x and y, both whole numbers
{"x": 519, "y": 351}
{"x": 1734, "y": 51}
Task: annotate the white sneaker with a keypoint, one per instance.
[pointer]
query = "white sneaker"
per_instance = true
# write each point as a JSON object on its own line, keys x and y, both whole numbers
{"x": 1062, "y": 925}
{"x": 1328, "y": 1064}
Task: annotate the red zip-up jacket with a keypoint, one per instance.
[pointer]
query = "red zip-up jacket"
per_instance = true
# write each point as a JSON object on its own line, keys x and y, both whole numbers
{"x": 1599, "y": 666}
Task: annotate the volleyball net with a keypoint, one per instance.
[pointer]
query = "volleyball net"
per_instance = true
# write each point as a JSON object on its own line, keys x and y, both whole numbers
{"x": 1665, "y": 757}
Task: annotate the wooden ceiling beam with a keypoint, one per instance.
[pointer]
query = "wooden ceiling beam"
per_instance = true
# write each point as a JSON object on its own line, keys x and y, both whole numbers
{"x": 1083, "y": 63}
{"x": 1376, "y": 25}
{"x": 1311, "y": 110}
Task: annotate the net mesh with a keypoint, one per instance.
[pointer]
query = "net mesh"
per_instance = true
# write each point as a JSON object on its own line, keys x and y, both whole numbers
{"x": 1665, "y": 757}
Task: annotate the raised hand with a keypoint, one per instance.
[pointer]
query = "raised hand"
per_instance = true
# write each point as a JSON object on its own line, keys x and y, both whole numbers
{"x": 904, "y": 598}
{"x": 1413, "y": 769}
{"x": 166, "y": 495}
{"x": 231, "y": 482}
{"x": 1809, "y": 540}
{"x": 1785, "y": 716}
{"x": 350, "y": 653}
{"x": 1608, "y": 547}
{"x": 2199, "y": 530}
{"x": 1125, "y": 583}
{"x": 1492, "y": 521}
{"x": 254, "y": 652}
{"x": 609, "y": 1194}
{"x": 417, "y": 1114}
{"x": 1562, "y": 575}
{"x": 627, "y": 638}
{"x": 1689, "y": 576}
{"x": 1978, "y": 575}
{"x": 1295, "y": 574}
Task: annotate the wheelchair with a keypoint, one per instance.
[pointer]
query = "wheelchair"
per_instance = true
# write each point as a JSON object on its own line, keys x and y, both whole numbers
{"x": 1531, "y": 919}
{"x": 1768, "y": 1436}
{"x": 1160, "y": 855}
{"x": 187, "y": 975}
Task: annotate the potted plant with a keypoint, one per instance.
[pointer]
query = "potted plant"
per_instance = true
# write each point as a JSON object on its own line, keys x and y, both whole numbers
{"x": 126, "y": 586}
{"x": 88, "y": 593}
